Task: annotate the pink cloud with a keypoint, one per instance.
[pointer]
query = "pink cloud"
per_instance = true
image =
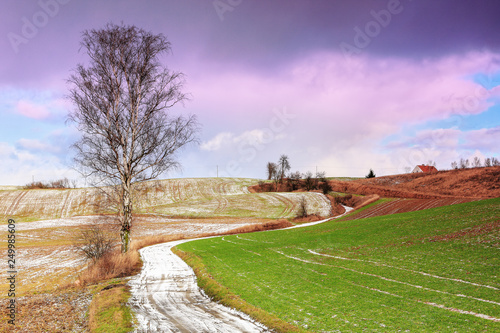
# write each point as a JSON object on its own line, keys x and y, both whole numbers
{"x": 31, "y": 110}
{"x": 344, "y": 110}
{"x": 486, "y": 139}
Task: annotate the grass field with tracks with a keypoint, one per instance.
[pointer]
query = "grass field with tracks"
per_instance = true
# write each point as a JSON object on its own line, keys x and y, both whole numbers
{"x": 426, "y": 271}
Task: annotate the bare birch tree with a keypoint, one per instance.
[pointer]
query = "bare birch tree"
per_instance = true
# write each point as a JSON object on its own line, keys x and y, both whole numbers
{"x": 122, "y": 98}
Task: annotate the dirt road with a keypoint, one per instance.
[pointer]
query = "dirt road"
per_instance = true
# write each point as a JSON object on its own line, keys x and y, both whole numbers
{"x": 166, "y": 298}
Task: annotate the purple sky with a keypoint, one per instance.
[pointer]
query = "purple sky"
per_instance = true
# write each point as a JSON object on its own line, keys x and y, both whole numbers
{"x": 342, "y": 86}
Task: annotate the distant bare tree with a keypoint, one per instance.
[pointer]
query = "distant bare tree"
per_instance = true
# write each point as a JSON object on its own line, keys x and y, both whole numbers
{"x": 272, "y": 168}
{"x": 476, "y": 162}
{"x": 121, "y": 101}
{"x": 294, "y": 179}
{"x": 431, "y": 163}
{"x": 495, "y": 162}
{"x": 283, "y": 166}
{"x": 454, "y": 165}
{"x": 464, "y": 163}
{"x": 407, "y": 169}
{"x": 309, "y": 181}
{"x": 487, "y": 162}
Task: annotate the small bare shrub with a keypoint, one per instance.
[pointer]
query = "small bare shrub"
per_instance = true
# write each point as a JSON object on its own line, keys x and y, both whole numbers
{"x": 325, "y": 187}
{"x": 302, "y": 212}
{"x": 93, "y": 243}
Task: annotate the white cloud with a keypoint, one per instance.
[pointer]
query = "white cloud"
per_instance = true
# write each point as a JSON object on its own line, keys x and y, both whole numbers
{"x": 256, "y": 138}
{"x": 19, "y": 166}
{"x": 217, "y": 142}
{"x": 34, "y": 145}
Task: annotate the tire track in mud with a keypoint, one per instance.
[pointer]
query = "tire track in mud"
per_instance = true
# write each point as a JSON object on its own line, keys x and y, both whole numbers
{"x": 65, "y": 209}
{"x": 12, "y": 209}
{"x": 289, "y": 204}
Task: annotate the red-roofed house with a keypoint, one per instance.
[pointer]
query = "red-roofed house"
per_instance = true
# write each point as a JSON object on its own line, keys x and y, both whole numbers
{"x": 424, "y": 169}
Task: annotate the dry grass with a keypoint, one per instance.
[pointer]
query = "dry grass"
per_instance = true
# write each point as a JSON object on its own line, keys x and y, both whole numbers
{"x": 113, "y": 265}
{"x": 152, "y": 240}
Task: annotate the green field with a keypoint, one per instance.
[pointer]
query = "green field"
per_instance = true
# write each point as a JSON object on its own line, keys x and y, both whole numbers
{"x": 435, "y": 270}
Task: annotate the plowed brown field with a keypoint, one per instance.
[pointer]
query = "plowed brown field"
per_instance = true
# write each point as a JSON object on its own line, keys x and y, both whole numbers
{"x": 467, "y": 183}
{"x": 405, "y": 205}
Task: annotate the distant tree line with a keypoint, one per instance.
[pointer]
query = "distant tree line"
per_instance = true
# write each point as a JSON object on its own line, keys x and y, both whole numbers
{"x": 281, "y": 176}
{"x": 475, "y": 163}
{"x": 55, "y": 184}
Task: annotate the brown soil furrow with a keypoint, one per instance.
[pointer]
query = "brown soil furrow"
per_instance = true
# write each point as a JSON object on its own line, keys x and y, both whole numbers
{"x": 379, "y": 209}
{"x": 406, "y": 205}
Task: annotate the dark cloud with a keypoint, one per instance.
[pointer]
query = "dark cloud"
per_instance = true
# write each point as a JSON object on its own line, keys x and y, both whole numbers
{"x": 256, "y": 34}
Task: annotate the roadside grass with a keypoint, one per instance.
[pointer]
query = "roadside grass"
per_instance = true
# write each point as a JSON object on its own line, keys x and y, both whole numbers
{"x": 432, "y": 270}
{"x": 108, "y": 312}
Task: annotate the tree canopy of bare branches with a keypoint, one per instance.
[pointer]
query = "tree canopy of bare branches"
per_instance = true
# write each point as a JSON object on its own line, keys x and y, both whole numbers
{"x": 122, "y": 98}
{"x": 271, "y": 170}
{"x": 283, "y": 166}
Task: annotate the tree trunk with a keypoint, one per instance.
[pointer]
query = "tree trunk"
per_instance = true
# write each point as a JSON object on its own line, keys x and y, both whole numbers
{"x": 127, "y": 218}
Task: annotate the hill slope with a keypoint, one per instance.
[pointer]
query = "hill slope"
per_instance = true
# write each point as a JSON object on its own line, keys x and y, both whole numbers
{"x": 466, "y": 183}
{"x": 201, "y": 197}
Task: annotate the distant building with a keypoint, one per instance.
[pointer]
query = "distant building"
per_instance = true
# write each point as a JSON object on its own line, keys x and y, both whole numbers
{"x": 424, "y": 169}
